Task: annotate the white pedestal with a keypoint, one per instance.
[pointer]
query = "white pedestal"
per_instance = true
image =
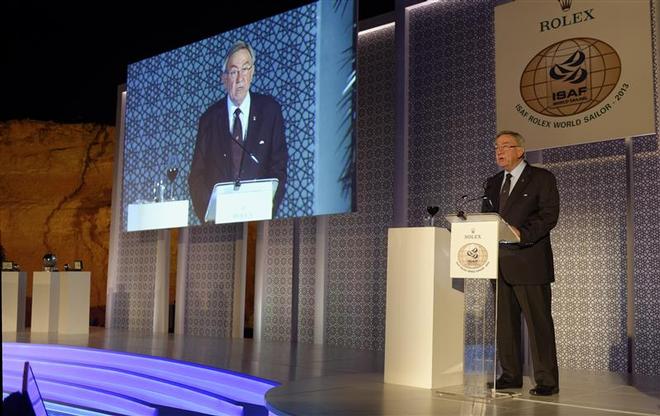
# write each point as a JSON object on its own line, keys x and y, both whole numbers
{"x": 157, "y": 215}
{"x": 75, "y": 288}
{"x": 60, "y": 302}
{"x": 45, "y": 301}
{"x": 424, "y": 314}
{"x": 14, "y": 292}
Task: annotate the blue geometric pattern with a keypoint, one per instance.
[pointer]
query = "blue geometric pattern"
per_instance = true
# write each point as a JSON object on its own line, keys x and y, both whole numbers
{"x": 357, "y": 242}
{"x": 307, "y": 279}
{"x": 452, "y": 126}
{"x": 276, "y": 309}
{"x": 646, "y": 200}
{"x": 210, "y": 279}
{"x": 133, "y": 299}
{"x": 166, "y": 95}
{"x": 589, "y": 245}
{"x": 452, "y": 105}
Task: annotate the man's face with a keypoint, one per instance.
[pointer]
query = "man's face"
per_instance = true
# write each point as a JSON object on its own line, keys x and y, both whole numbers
{"x": 507, "y": 152}
{"x": 238, "y": 77}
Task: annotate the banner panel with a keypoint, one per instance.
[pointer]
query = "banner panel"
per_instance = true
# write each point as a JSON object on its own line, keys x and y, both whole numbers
{"x": 574, "y": 71}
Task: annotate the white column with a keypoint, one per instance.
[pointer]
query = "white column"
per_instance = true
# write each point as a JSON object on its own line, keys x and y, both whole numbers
{"x": 162, "y": 282}
{"x": 115, "y": 222}
{"x": 240, "y": 260}
{"x": 14, "y": 290}
{"x": 259, "y": 276}
{"x": 45, "y": 301}
{"x": 320, "y": 278}
{"x": 181, "y": 281}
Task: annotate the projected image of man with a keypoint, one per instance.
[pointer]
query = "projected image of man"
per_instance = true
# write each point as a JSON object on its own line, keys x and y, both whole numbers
{"x": 240, "y": 137}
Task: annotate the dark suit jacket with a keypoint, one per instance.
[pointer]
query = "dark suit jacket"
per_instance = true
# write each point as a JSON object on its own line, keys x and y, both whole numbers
{"x": 212, "y": 159}
{"x": 533, "y": 208}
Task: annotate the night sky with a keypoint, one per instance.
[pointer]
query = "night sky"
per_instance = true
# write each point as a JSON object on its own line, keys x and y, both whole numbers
{"x": 64, "y": 65}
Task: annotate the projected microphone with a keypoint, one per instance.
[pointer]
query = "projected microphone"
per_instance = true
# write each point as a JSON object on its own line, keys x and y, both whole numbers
{"x": 253, "y": 157}
{"x": 237, "y": 183}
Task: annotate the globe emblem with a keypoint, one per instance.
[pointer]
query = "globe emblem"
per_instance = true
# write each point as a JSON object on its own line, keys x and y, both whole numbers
{"x": 570, "y": 77}
{"x": 472, "y": 256}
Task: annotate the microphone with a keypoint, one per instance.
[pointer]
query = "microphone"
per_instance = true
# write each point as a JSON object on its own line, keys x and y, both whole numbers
{"x": 465, "y": 199}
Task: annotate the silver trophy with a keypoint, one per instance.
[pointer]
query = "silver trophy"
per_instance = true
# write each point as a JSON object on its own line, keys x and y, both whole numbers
{"x": 50, "y": 260}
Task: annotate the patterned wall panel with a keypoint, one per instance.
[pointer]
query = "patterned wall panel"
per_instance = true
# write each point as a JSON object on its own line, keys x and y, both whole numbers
{"x": 357, "y": 242}
{"x": 276, "y": 307}
{"x": 646, "y": 200}
{"x": 133, "y": 301}
{"x": 452, "y": 125}
{"x": 646, "y": 266}
{"x": 166, "y": 95}
{"x": 307, "y": 280}
{"x": 210, "y": 279}
{"x": 452, "y": 104}
{"x": 589, "y": 244}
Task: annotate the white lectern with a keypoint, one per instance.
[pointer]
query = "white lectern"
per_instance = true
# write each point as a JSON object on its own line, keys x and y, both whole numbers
{"x": 14, "y": 291}
{"x": 250, "y": 200}
{"x": 475, "y": 240}
{"x": 60, "y": 302}
{"x": 424, "y": 314}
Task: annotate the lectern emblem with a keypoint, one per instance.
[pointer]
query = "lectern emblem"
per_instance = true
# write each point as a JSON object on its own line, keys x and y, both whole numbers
{"x": 472, "y": 257}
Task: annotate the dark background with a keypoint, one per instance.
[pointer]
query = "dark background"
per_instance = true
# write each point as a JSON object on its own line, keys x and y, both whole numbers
{"x": 64, "y": 63}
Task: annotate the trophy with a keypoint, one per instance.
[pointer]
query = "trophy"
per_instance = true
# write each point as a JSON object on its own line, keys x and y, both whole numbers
{"x": 50, "y": 261}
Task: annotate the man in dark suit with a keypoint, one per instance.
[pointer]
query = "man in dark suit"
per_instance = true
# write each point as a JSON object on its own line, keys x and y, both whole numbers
{"x": 527, "y": 198}
{"x": 240, "y": 137}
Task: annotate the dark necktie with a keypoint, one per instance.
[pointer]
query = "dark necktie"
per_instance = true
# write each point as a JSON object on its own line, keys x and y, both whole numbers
{"x": 236, "y": 151}
{"x": 504, "y": 194}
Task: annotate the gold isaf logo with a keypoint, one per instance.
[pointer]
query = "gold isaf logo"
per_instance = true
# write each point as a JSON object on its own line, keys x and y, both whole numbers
{"x": 472, "y": 256}
{"x": 570, "y": 77}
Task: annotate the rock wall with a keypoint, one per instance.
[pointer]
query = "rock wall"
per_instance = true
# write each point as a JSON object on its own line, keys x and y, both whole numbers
{"x": 55, "y": 195}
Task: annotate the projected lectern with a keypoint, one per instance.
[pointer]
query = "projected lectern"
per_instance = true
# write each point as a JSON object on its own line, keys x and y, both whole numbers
{"x": 250, "y": 200}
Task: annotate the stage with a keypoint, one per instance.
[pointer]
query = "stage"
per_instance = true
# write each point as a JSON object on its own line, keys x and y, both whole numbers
{"x": 322, "y": 380}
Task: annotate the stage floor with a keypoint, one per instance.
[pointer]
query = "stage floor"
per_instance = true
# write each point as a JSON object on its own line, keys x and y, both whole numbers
{"x": 322, "y": 380}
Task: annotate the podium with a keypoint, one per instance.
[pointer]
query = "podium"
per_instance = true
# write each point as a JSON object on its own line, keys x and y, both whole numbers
{"x": 157, "y": 215}
{"x": 424, "y": 314}
{"x": 60, "y": 302}
{"x": 475, "y": 240}
{"x": 241, "y": 201}
{"x": 14, "y": 292}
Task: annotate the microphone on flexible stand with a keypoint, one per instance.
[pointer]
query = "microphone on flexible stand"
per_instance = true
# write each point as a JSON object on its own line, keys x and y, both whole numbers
{"x": 253, "y": 157}
{"x": 465, "y": 199}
